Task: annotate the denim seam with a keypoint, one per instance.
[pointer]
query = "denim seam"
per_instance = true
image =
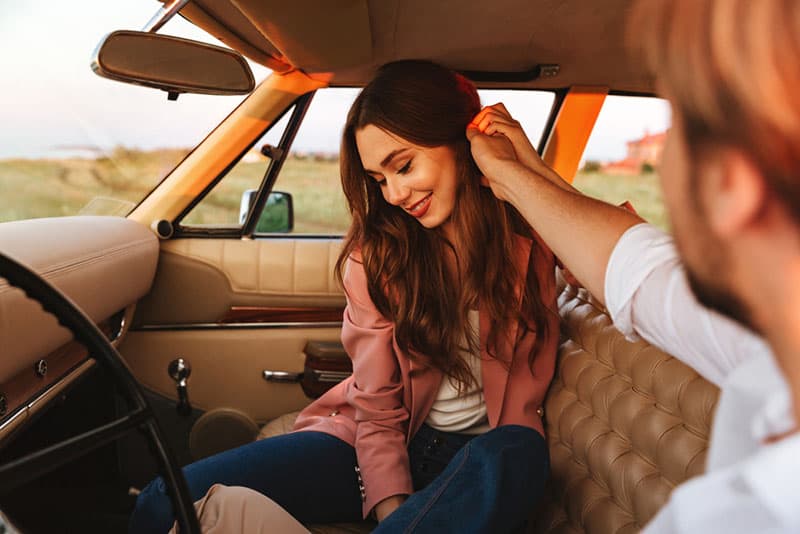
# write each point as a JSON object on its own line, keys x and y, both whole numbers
{"x": 438, "y": 494}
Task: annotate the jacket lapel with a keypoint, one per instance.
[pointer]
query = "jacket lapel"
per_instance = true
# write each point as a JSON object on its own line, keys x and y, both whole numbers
{"x": 495, "y": 371}
{"x": 422, "y": 387}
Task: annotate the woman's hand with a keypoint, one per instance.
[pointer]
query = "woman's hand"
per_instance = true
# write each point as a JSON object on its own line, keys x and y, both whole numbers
{"x": 388, "y": 505}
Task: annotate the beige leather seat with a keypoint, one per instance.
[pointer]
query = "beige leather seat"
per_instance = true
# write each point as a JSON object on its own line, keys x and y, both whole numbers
{"x": 626, "y": 423}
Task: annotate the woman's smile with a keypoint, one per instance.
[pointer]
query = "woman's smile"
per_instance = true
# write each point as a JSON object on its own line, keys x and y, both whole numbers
{"x": 420, "y": 208}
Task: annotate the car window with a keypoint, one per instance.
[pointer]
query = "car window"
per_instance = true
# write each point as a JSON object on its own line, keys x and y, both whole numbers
{"x": 311, "y": 171}
{"x": 622, "y": 155}
{"x": 74, "y": 143}
{"x": 227, "y": 204}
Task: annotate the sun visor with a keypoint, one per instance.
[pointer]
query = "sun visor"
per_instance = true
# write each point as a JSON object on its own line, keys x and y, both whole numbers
{"x": 295, "y": 29}
{"x": 226, "y": 22}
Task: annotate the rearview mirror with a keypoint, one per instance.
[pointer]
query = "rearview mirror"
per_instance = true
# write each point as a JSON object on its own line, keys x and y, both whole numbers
{"x": 277, "y": 217}
{"x": 173, "y": 64}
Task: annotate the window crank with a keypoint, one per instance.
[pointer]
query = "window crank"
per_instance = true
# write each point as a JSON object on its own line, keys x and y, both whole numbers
{"x": 180, "y": 370}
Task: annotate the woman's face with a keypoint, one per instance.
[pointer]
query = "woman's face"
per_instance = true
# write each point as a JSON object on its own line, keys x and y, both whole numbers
{"x": 420, "y": 180}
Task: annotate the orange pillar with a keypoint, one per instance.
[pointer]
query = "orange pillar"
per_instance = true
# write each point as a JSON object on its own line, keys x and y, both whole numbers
{"x": 573, "y": 125}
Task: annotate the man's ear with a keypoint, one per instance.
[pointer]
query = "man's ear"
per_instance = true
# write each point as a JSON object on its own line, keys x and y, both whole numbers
{"x": 733, "y": 192}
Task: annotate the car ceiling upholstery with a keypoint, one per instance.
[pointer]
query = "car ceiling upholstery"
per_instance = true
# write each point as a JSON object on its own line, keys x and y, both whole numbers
{"x": 344, "y": 41}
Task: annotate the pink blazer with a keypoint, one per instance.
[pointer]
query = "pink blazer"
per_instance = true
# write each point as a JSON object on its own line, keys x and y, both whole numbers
{"x": 388, "y": 397}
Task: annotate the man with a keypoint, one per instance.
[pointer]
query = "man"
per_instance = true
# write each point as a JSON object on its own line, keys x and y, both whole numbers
{"x": 731, "y": 179}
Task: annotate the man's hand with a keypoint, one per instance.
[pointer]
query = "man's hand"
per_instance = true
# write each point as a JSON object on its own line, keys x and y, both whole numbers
{"x": 499, "y": 146}
{"x": 388, "y": 505}
{"x": 581, "y": 231}
{"x": 493, "y": 154}
{"x": 496, "y": 119}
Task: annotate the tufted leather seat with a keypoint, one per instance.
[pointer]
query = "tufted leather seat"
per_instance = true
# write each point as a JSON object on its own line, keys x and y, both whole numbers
{"x": 625, "y": 424}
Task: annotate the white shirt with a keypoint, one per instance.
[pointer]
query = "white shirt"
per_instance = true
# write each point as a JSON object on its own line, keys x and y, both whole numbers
{"x": 463, "y": 412}
{"x": 748, "y": 486}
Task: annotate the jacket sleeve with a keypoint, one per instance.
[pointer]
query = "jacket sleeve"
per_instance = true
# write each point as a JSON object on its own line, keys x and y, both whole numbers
{"x": 375, "y": 393}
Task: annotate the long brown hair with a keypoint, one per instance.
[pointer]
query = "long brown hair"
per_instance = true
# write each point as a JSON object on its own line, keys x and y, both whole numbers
{"x": 407, "y": 275}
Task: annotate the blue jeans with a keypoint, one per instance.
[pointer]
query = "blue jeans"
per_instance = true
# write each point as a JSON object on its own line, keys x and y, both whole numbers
{"x": 489, "y": 485}
{"x": 491, "y": 480}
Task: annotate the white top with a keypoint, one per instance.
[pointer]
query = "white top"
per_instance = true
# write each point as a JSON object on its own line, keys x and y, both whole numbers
{"x": 464, "y": 413}
{"x": 748, "y": 486}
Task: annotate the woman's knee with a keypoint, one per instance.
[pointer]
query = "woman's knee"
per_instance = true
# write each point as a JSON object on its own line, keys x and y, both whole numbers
{"x": 153, "y": 511}
{"x": 514, "y": 450}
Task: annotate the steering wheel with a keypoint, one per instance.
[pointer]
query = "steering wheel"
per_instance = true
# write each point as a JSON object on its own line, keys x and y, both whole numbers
{"x": 29, "y": 467}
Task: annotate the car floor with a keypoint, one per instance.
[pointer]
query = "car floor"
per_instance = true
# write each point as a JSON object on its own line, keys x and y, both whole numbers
{"x": 86, "y": 495}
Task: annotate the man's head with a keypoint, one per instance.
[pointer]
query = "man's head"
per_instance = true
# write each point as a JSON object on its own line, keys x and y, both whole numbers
{"x": 731, "y": 168}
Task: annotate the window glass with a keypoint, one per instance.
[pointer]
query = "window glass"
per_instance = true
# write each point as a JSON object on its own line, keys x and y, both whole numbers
{"x": 623, "y": 153}
{"x": 226, "y": 205}
{"x": 311, "y": 171}
{"x": 73, "y": 142}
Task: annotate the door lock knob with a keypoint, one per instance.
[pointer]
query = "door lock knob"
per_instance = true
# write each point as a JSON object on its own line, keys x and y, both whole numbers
{"x": 179, "y": 370}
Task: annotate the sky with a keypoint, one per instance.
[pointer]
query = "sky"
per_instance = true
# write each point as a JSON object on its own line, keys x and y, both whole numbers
{"x": 51, "y": 99}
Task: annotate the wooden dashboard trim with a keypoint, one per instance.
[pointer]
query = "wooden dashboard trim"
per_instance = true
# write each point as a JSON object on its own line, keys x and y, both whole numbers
{"x": 265, "y": 314}
{"x": 26, "y": 393}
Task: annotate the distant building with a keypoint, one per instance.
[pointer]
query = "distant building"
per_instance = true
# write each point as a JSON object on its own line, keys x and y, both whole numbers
{"x": 644, "y": 151}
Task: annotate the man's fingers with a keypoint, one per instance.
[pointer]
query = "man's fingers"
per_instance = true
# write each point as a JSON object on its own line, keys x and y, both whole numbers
{"x": 498, "y": 110}
{"x": 501, "y": 108}
{"x": 472, "y": 131}
{"x": 494, "y": 118}
{"x": 501, "y": 127}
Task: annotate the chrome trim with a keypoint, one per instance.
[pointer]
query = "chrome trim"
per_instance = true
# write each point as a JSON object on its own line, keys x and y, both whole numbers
{"x": 235, "y": 326}
{"x": 6, "y": 527}
{"x": 163, "y": 15}
{"x": 282, "y": 376}
{"x": 124, "y": 325}
{"x": 22, "y": 410}
{"x": 47, "y": 395}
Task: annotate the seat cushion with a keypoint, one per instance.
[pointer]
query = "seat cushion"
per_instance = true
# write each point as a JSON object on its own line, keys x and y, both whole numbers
{"x": 625, "y": 424}
{"x": 278, "y": 426}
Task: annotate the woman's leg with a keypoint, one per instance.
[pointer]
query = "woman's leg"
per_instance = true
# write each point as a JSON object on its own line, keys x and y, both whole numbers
{"x": 310, "y": 474}
{"x": 488, "y": 486}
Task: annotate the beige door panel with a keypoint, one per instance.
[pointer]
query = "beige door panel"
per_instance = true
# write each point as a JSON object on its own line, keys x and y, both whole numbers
{"x": 200, "y": 280}
{"x": 227, "y": 365}
{"x": 198, "y": 310}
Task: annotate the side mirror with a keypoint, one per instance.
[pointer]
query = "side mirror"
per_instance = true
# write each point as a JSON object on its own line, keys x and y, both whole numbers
{"x": 173, "y": 64}
{"x": 277, "y": 216}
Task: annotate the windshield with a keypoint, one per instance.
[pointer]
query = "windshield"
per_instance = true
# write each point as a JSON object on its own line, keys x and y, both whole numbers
{"x": 72, "y": 142}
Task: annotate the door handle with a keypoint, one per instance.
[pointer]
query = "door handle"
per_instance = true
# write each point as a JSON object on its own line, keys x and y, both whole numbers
{"x": 282, "y": 376}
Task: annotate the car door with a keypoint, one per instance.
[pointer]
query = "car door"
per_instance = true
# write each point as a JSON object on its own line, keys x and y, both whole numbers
{"x": 240, "y": 303}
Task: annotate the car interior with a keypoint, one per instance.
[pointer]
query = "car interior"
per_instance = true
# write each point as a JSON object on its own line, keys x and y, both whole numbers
{"x": 230, "y": 329}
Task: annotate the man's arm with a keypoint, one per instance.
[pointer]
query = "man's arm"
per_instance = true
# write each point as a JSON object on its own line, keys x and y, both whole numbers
{"x": 638, "y": 277}
{"x": 581, "y": 231}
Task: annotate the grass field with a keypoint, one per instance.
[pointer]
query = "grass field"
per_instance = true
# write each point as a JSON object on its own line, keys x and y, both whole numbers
{"x": 643, "y": 191}
{"x": 114, "y": 184}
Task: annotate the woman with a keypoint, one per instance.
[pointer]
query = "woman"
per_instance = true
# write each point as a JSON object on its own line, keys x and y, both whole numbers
{"x": 451, "y": 326}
